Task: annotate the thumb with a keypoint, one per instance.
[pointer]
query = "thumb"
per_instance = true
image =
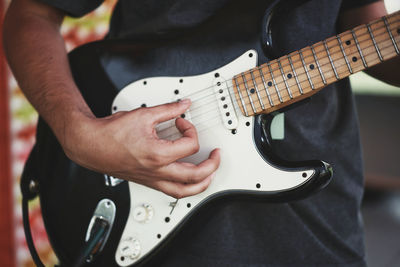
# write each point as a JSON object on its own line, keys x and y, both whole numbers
{"x": 169, "y": 111}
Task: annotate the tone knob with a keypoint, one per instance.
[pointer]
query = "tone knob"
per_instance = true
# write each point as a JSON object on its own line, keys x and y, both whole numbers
{"x": 131, "y": 248}
{"x": 143, "y": 213}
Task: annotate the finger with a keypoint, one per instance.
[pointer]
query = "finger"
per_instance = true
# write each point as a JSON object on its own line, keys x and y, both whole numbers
{"x": 183, "y": 147}
{"x": 183, "y": 172}
{"x": 180, "y": 190}
{"x": 168, "y": 111}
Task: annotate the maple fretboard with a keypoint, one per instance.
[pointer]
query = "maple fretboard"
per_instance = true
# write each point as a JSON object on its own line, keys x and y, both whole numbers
{"x": 302, "y": 73}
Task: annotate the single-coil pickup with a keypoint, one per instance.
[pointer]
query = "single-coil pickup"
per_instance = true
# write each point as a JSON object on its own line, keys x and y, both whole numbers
{"x": 225, "y": 105}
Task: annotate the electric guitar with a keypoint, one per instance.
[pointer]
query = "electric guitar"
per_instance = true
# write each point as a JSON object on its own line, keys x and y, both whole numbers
{"x": 230, "y": 107}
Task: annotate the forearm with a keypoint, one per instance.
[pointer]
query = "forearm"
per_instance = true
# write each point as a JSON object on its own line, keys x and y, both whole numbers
{"x": 37, "y": 56}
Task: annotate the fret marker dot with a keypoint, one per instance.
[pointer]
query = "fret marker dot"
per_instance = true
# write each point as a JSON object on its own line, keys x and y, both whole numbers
{"x": 312, "y": 66}
{"x": 269, "y": 83}
{"x": 354, "y": 59}
{"x": 289, "y": 76}
{"x": 252, "y": 90}
{"x": 348, "y": 42}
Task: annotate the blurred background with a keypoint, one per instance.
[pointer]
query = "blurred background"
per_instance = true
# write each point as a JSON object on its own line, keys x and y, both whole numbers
{"x": 378, "y": 107}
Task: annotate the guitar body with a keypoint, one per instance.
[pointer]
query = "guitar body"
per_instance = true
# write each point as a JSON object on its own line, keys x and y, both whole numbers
{"x": 146, "y": 219}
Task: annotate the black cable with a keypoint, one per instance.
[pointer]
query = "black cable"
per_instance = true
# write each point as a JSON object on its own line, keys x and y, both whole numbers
{"x": 28, "y": 234}
{"x": 97, "y": 234}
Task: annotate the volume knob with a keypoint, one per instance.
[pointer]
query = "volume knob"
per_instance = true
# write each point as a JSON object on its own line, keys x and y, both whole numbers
{"x": 131, "y": 248}
{"x": 143, "y": 213}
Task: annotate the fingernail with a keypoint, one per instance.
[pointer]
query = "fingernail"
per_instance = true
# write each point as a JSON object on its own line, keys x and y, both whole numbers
{"x": 184, "y": 101}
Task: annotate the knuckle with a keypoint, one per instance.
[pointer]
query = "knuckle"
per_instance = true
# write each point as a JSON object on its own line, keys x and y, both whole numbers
{"x": 195, "y": 147}
{"x": 196, "y": 177}
{"x": 191, "y": 179}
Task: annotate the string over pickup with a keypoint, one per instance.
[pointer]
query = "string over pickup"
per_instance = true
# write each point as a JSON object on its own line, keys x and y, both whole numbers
{"x": 225, "y": 105}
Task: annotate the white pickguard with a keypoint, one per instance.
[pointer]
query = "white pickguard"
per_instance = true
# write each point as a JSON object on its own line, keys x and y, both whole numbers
{"x": 241, "y": 167}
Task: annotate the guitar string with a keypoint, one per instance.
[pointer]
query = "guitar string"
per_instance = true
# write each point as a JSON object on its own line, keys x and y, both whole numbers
{"x": 305, "y": 57}
{"x": 274, "y": 95}
{"x": 237, "y": 109}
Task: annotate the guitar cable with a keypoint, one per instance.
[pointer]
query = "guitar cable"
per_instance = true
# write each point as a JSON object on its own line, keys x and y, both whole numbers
{"x": 28, "y": 233}
{"x": 90, "y": 249}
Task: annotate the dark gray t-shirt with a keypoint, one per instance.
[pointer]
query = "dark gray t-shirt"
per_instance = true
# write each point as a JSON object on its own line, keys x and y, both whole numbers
{"x": 322, "y": 230}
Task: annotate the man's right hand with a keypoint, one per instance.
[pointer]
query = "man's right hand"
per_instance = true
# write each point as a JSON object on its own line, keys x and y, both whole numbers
{"x": 126, "y": 146}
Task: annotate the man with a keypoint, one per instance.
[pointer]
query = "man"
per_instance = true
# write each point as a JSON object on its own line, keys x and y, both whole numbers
{"x": 323, "y": 230}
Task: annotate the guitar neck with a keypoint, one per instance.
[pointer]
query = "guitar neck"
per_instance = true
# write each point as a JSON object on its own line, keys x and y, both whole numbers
{"x": 302, "y": 73}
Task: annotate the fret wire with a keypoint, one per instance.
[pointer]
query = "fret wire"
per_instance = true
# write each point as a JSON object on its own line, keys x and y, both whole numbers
{"x": 374, "y": 42}
{"x": 306, "y": 70}
{"x": 266, "y": 87}
{"x": 340, "y": 42}
{"x": 359, "y": 49}
{"x": 344, "y": 54}
{"x": 255, "y": 86}
{"x": 284, "y": 79}
{"x": 369, "y": 54}
{"x": 295, "y": 74}
{"x": 391, "y": 35}
{"x": 273, "y": 79}
{"x": 330, "y": 60}
{"x": 248, "y": 93}
{"x": 240, "y": 96}
{"x": 318, "y": 66}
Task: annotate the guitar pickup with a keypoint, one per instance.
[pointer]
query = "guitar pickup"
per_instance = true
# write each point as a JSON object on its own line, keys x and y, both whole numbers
{"x": 225, "y": 104}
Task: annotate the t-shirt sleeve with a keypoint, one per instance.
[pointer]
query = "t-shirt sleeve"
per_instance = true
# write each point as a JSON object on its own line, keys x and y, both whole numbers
{"x": 348, "y": 4}
{"x": 74, "y": 8}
